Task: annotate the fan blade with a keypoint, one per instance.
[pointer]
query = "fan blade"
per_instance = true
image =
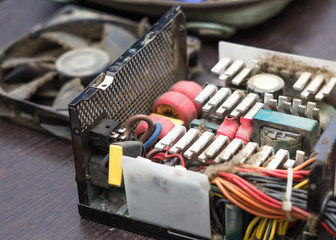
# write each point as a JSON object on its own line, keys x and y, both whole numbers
{"x": 32, "y": 61}
{"x": 27, "y": 90}
{"x": 66, "y": 40}
{"x": 116, "y": 40}
{"x": 68, "y": 92}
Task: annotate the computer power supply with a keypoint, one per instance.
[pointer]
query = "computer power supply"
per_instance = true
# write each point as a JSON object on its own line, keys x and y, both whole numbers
{"x": 248, "y": 155}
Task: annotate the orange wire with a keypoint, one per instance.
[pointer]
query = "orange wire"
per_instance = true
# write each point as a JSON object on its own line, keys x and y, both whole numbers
{"x": 305, "y": 164}
{"x": 237, "y": 203}
{"x": 241, "y": 199}
{"x": 248, "y": 198}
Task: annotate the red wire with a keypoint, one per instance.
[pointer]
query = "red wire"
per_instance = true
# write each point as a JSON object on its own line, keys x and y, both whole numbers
{"x": 326, "y": 227}
{"x": 176, "y": 155}
{"x": 275, "y": 173}
{"x": 252, "y": 190}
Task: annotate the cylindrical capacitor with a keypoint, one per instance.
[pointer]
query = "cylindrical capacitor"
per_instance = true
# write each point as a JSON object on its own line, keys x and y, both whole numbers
{"x": 266, "y": 83}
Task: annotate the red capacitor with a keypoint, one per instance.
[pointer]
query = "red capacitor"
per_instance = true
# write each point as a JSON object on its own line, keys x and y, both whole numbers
{"x": 175, "y": 105}
{"x": 245, "y": 130}
{"x": 191, "y": 90}
{"x": 228, "y": 128}
{"x": 167, "y": 125}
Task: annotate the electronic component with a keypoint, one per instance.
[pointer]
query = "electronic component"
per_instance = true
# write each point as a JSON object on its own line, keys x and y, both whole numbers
{"x": 104, "y": 133}
{"x": 214, "y": 102}
{"x": 229, "y": 104}
{"x": 166, "y": 123}
{"x": 193, "y": 185}
{"x": 230, "y": 150}
{"x": 266, "y": 83}
{"x": 186, "y": 141}
{"x": 189, "y": 89}
{"x": 281, "y": 139}
{"x": 116, "y": 151}
{"x": 171, "y": 138}
{"x": 215, "y": 148}
{"x": 175, "y": 105}
{"x": 204, "y": 125}
{"x": 199, "y": 146}
{"x": 228, "y": 128}
{"x": 307, "y": 128}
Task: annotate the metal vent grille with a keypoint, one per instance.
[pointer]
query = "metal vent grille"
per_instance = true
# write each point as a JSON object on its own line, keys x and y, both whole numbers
{"x": 138, "y": 80}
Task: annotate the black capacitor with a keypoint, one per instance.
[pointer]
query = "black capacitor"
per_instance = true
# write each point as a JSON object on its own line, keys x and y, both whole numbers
{"x": 266, "y": 83}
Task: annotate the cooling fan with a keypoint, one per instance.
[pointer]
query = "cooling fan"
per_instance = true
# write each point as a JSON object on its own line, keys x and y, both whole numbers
{"x": 43, "y": 71}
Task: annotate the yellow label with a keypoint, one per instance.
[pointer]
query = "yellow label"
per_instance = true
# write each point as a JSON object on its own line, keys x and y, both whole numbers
{"x": 115, "y": 165}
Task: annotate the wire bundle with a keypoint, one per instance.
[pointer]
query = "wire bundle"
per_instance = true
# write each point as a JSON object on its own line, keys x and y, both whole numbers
{"x": 260, "y": 191}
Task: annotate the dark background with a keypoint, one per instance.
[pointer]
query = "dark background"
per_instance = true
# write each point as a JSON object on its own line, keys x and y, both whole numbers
{"x": 38, "y": 197}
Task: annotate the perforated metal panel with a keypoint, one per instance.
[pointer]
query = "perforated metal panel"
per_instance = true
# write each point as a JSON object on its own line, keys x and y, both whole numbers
{"x": 140, "y": 75}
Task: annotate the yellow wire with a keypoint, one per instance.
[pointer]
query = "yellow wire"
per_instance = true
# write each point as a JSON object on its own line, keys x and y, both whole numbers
{"x": 279, "y": 227}
{"x": 268, "y": 225}
{"x": 284, "y": 228}
{"x": 253, "y": 234}
{"x": 219, "y": 195}
{"x": 274, "y": 226}
{"x": 301, "y": 184}
{"x": 262, "y": 228}
{"x": 250, "y": 227}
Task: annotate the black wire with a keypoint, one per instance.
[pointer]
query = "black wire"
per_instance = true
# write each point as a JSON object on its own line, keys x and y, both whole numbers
{"x": 296, "y": 195}
{"x": 330, "y": 209}
{"x": 333, "y": 228}
{"x": 216, "y": 221}
{"x": 331, "y": 203}
{"x": 268, "y": 231}
{"x": 324, "y": 205}
{"x": 261, "y": 178}
{"x": 331, "y": 218}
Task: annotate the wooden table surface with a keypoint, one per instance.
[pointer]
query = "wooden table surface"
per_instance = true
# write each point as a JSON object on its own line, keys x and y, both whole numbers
{"x": 38, "y": 197}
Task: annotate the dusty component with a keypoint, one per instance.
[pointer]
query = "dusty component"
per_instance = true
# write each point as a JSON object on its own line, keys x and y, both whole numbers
{"x": 204, "y": 125}
{"x": 215, "y": 148}
{"x": 199, "y": 145}
{"x": 104, "y": 133}
{"x": 281, "y": 140}
{"x": 186, "y": 141}
{"x": 307, "y": 128}
{"x": 234, "y": 147}
{"x": 59, "y": 58}
{"x": 266, "y": 83}
{"x": 171, "y": 138}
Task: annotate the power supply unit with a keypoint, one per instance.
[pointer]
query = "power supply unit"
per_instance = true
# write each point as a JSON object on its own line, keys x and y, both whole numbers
{"x": 250, "y": 154}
